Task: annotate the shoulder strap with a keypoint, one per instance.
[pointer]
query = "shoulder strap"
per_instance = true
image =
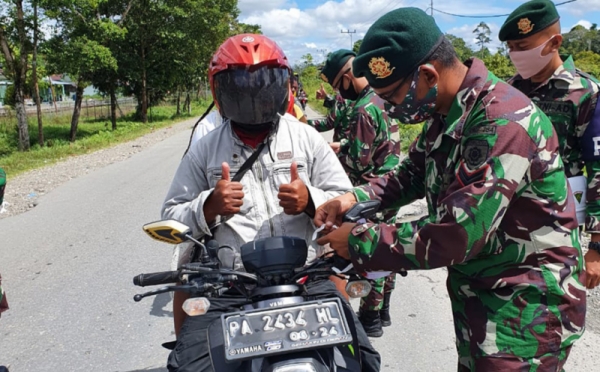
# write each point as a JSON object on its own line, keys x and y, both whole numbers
{"x": 248, "y": 163}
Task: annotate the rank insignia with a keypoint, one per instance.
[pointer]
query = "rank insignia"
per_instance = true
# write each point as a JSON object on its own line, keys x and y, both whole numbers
{"x": 380, "y": 67}
{"x": 578, "y": 195}
{"x": 525, "y": 26}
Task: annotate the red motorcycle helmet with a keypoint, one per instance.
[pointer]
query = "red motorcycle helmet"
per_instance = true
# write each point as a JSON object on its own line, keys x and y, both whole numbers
{"x": 249, "y": 79}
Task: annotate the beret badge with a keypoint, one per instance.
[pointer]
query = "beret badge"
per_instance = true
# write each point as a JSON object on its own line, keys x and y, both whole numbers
{"x": 525, "y": 26}
{"x": 380, "y": 67}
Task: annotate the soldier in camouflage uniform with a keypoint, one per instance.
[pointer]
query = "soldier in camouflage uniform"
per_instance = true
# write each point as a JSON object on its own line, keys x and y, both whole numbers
{"x": 366, "y": 149}
{"x": 336, "y": 106}
{"x": 500, "y": 216}
{"x": 569, "y": 98}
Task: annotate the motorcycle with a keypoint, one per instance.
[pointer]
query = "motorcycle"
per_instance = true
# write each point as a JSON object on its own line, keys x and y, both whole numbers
{"x": 277, "y": 329}
{"x": 303, "y": 99}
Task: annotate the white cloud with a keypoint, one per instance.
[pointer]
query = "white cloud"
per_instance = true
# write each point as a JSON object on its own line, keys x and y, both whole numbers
{"x": 256, "y": 6}
{"x": 292, "y": 28}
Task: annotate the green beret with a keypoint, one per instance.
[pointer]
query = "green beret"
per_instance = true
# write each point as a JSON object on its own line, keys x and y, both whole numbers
{"x": 335, "y": 62}
{"x": 529, "y": 19}
{"x": 395, "y": 45}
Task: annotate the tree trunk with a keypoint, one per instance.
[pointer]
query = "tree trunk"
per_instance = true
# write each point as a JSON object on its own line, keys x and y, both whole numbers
{"x": 178, "y": 102}
{"x": 188, "y": 102}
{"x": 36, "y": 86}
{"x": 22, "y": 126}
{"x": 113, "y": 108}
{"x": 18, "y": 66}
{"x": 76, "y": 111}
{"x": 144, "y": 113}
{"x": 53, "y": 95}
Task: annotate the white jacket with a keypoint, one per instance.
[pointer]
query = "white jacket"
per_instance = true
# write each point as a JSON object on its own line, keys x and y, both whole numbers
{"x": 260, "y": 216}
{"x": 208, "y": 124}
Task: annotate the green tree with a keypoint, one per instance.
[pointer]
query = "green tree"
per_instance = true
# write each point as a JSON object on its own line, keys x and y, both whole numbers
{"x": 482, "y": 32}
{"x": 580, "y": 39}
{"x": 500, "y": 65}
{"x": 79, "y": 49}
{"x": 15, "y": 46}
{"x": 589, "y": 62}
{"x": 169, "y": 44}
{"x": 463, "y": 51}
{"x": 307, "y": 60}
{"x": 356, "y": 46}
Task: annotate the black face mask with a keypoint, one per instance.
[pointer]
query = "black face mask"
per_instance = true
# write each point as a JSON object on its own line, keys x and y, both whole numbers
{"x": 349, "y": 93}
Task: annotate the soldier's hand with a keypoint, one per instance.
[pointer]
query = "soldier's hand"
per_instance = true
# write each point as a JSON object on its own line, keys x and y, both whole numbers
{"x": 321, "y": 93}
{"x": 592, "y": 268}
{"x": 293, "y": 196}
{"x": 336, "y": 147}
{"x": 338, "y": 240}
{"x": 227, "y": 197}
{"x": 331, "y": 212}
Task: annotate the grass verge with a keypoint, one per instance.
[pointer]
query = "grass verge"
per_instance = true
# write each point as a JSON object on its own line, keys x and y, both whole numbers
{"x": 92, "y": 135}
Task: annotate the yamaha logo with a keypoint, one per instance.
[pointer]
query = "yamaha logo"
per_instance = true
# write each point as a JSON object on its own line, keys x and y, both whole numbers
{"x": 248, "y": 39}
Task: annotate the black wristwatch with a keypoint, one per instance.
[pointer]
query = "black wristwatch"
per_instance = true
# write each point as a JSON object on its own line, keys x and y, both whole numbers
{"x": 594, "y": 246}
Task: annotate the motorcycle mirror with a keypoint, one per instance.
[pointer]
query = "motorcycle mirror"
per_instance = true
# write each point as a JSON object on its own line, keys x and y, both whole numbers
{"x": 358, "y": 288}
{"x": 167, "y": 231}
{"x": 196, "y": 306}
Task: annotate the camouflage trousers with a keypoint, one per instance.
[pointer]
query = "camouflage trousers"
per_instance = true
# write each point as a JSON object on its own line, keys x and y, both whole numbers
{"x": 550, "y": 362}
{"x": 381, "y": 286}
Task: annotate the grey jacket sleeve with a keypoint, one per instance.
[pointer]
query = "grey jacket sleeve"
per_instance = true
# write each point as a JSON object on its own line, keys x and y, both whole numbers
{"x": 187, "y": 195}
{"x": 328, "y": 178}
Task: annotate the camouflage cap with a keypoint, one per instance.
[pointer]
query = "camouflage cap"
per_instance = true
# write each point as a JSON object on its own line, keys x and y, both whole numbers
{"x": 395, "y": 45}
{"x": 529, "y": 19}
{"x": 335, "y": 62}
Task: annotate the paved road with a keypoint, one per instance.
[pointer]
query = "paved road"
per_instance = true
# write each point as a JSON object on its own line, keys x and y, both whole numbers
{"x": 68, "y": 265}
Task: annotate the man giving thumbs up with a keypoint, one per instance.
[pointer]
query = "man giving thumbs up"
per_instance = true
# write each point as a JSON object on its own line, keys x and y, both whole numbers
{"x": 285, "y": 169}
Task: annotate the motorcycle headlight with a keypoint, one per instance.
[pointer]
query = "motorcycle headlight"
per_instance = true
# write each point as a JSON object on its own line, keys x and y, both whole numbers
{"x": 296, "y": 367}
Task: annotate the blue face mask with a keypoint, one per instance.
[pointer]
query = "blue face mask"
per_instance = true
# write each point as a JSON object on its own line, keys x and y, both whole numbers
{"x": 410, "y": 111}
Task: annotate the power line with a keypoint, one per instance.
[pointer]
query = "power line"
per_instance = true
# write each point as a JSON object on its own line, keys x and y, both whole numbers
{"x": 484, "y": 16}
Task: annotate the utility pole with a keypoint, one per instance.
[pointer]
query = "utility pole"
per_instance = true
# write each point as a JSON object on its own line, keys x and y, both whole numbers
{"x": 322, "y": 51}
{"x": 431, "y": 7}
{"x": 350, "y": 33}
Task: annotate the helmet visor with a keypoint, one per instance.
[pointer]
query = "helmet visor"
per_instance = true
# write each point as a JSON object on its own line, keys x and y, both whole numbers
{"x": 252, "y": 96}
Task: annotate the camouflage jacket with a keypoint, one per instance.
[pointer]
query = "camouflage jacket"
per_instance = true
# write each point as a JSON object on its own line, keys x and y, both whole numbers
{"x": 570, "y": 101}
{"x": 499, "y": 217}
{"x": 337, "y": 107}
{"x": 368, "y": 148}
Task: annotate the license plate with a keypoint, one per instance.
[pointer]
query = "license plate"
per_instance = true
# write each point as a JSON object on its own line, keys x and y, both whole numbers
{"x": 249, "y": 334}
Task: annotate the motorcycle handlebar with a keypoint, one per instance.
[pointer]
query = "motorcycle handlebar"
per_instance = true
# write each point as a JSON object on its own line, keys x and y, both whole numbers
{"x": 164, "y": 277}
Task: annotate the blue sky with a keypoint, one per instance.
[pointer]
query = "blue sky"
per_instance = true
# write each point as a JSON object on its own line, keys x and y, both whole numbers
{"x": 309, "y": 26}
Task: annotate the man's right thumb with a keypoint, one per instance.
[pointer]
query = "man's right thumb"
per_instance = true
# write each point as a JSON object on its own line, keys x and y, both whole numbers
{"x": 225, "y": 172}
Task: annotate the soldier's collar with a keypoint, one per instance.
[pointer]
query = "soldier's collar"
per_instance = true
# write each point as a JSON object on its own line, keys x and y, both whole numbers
{"x": 465, "y": 99}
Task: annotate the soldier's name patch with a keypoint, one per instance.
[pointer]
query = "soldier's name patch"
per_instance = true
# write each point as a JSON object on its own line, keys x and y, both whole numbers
{"x": 555, "y": 107}
{"x": 483, "y": 129}
{"x": 476, "y": 153}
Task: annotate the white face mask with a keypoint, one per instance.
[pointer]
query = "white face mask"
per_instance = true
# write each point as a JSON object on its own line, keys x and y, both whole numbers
{"x": 530, "y": 62}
